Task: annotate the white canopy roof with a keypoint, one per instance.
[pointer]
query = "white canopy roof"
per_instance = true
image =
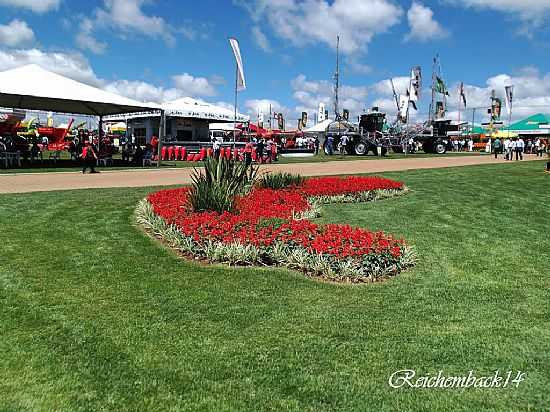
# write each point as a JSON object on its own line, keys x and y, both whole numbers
{"x": 221, "y": 126}
{"x": 192, "y": 108}
{"x": 34, "y": 88}
{"x": 319, "y": 127}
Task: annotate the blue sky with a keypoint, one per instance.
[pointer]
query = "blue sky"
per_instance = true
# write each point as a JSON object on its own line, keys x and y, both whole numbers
{"x": 164, "y": 49}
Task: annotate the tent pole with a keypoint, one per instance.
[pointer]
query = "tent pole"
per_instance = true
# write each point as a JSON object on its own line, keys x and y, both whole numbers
{"x": 235, "y": 114}
{"x": 162, "y": 133}
{"x": 100, "y": 134}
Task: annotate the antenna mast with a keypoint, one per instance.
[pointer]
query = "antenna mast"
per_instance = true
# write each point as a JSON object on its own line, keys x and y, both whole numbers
{"x": 337, "y": 78}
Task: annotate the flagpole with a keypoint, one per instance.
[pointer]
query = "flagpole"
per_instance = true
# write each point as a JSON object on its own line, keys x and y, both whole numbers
{"x": 235, "y": 114}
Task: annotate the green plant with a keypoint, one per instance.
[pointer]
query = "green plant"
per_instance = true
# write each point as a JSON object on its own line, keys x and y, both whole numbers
{"x": 222, "y": 180}
{"x": 279, "y": 180}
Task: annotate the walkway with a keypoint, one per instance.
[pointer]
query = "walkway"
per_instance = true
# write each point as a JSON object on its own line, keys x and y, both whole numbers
{"x": 37, "y": 182}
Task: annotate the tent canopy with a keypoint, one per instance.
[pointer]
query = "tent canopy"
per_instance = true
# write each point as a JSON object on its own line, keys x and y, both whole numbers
{"x": 187, "y": 107}
{"x": 532, "y": 123}
{"x": 34, "y": 88}
{"x": 319, "y": 127}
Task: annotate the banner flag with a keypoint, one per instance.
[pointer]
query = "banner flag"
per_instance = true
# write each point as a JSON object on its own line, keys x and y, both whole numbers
{"x": 440, "y": 86}
{"x": 321, "y": 114}
{"x": 415, "y": 84}
{"x": 509, "y": 99}
{"x": 241, "y": 84}
{"x": 462, "y": 93}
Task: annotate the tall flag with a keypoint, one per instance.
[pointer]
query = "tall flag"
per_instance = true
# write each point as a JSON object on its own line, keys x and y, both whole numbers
{"x": 321, "y": 114}
{"x": 440, "y": 86}
{"x": 304, "y": 119}
{"x": 260, "y": 117}
{"x": 415, "y": 85}
{"x": 241, "y": 84}
{"x": 463, "y": 93}
{"x": 509, "y": 99}
{"x": 403, "y": 108}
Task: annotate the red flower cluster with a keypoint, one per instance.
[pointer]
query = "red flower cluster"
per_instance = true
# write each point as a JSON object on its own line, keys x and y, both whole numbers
{"x": 264, "y": 217}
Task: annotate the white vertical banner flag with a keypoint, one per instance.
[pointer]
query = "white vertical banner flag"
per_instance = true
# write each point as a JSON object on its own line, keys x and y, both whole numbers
{"x": 403, "y": 107}
{"x": 509, "y": 99}
{"x": 260, "y": 115}
{"x": 241, "y": 84}
{"x": 321, "y": 114}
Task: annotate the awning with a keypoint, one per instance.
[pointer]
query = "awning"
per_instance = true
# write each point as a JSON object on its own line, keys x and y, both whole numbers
{"x": 189, "y": 108}
{"x": 319, "y": 127}
{"x": 33, "y": 88}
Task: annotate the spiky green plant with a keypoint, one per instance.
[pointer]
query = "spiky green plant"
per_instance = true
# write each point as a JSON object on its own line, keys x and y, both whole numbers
{"x": 279, "y": 180}
{"x": 216, "y": 187}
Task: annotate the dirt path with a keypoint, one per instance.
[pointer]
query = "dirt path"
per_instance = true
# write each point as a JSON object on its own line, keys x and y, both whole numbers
{"x": 37, "y": 182}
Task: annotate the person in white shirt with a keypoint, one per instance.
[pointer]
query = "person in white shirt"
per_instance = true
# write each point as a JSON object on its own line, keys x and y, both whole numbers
{"x": 344, "y": 144}
{"x": 520, "y": 147}
{"x": 507, "y": 149}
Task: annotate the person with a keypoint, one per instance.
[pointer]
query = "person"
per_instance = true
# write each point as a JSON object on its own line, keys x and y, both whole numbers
{"x": 541, "y": 149}
{"x": 344, "y": 144}
{"x": 497, "y": 147}
{"x": 520, "y": 147}
{"x": 410, "y": 146}
{"x": 506, "y": 149}
{"x": 216, "y": 147}
{"x": 330, "y": 145}
{"x": 260, "y": 150}
{"x": 248, "y": 148}
{"x": 470, "y": 145}
{"x": 154, "y": 144}
{"x": 317, "y": 143}
{"x": 89, "y": 158}
{"x": 138, "y": 155}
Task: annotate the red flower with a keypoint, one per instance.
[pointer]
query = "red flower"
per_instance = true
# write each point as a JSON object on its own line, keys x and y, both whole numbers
{"x": 265, "y": 216}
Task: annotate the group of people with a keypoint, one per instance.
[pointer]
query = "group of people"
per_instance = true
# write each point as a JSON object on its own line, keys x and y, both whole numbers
{"x": 262, "y": 149}
{"x": 462, "y": 145}
{"x": 342, "y": 146}
{"x": 518, "y": 146}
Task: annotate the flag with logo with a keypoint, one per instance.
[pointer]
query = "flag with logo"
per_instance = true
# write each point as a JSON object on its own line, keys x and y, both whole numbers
{"x": 440, "y": 86}
{"x": 321, "y": 114}
{"x": 509, "y": 99}
{"x": 463, "y": 93}
{"x": 415, "y": 85}
{"x": 241, "y": 84}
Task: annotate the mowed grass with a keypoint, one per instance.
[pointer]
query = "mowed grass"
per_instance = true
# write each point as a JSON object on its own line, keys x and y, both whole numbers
{"x": 97, "y": 316}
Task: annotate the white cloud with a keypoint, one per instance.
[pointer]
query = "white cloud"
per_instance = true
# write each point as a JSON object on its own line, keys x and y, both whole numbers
{"x": 531, "y": 93}
{"x": 422, "y": 25}
{"x": 260, "y": 39}
{"x": 253, "y": 106}
{"x": 71, "y": 65}
{"x": 15, "y": 33}
{"x": 193, "y": 86}
{"x": 37, "y": 6}
{"x": 304, "y": 22}
{"x": 126, "y": 17}
{"x": 143, "y": 91}
{"x": 531, "y": 13}
{"x": 85, "y": 39}
{"x": 308, "y": 94}
{"x": 78, "y": 68}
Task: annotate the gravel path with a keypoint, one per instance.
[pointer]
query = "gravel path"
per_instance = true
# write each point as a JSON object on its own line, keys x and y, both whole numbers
{"x": 37, "y": 182}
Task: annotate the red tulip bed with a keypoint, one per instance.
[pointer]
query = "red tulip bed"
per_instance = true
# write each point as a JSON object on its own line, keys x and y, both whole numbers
{"x": 271, "y": 227}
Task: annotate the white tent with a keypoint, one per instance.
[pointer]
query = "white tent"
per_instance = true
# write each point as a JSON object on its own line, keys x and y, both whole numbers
{"x": 221, "y": 126}
{"x": 319, "y": 127}
{"x": 34, "y": 88}
{"x": 187, "y": 107}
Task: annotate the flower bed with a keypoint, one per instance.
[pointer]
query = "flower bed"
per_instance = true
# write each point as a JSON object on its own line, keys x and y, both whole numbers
{"x": 270, "y": 227}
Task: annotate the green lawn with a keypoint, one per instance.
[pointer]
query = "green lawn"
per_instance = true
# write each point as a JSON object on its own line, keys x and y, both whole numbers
{"x": 97, "y": 316}
{"x": 66, "y": 165}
